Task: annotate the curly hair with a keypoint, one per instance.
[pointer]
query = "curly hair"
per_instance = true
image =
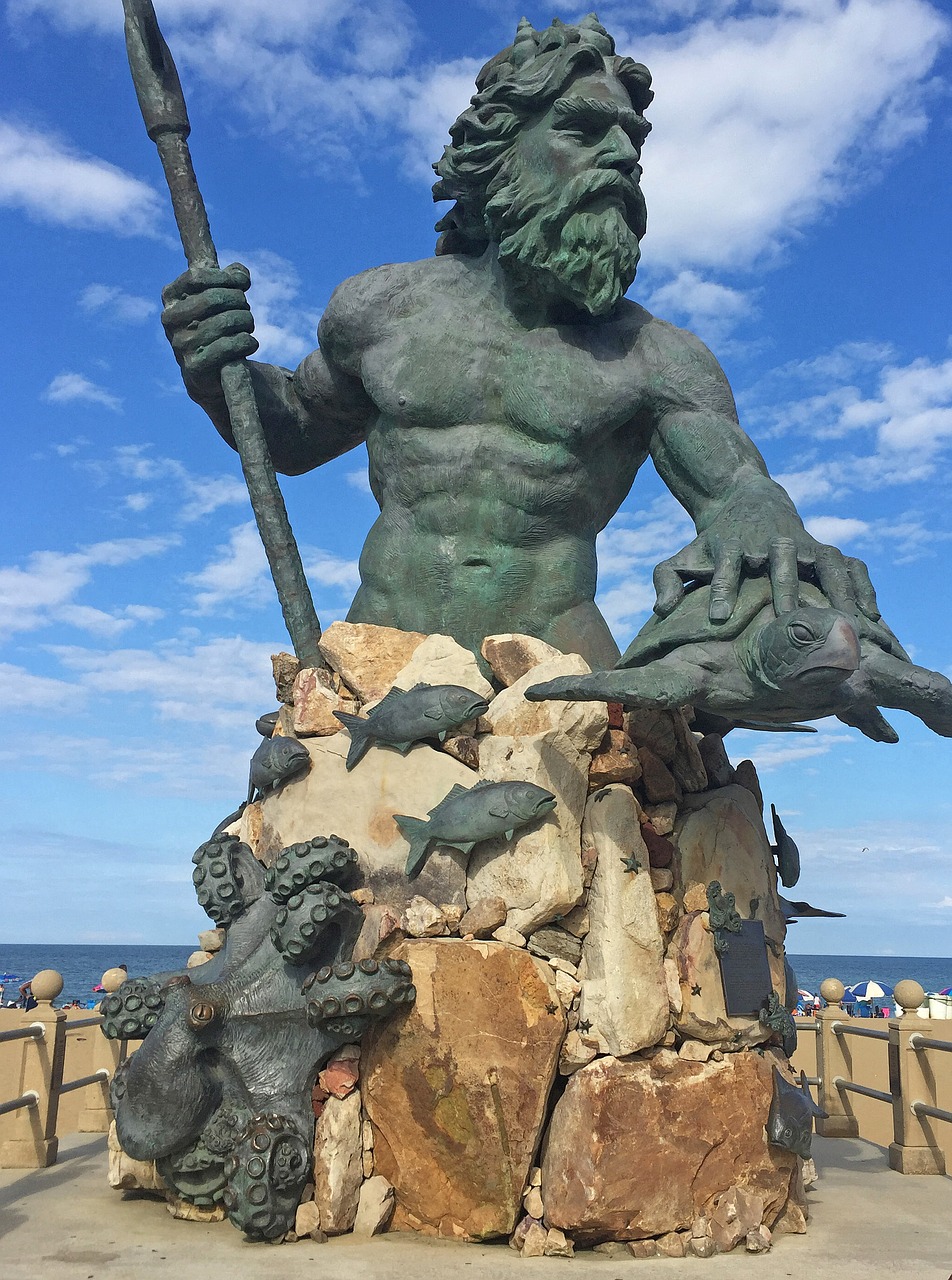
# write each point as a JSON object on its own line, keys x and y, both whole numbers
{"x": 513, "y": 87}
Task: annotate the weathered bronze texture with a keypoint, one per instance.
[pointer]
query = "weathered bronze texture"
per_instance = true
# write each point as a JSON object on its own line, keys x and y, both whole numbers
{"x": 403, "y": 718}
{"x": 779, "y": 1019}
{"x": 745, "y": 969}
{"x": 723, "y": 915}
{"x": 791, "y": 1115}
{"x": 785, "y": 851}
{"x": 166, "y": 119}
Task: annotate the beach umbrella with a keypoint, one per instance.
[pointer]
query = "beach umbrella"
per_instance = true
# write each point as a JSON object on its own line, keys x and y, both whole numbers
{"x": 805, "y": 995}
{"x": 870, "y": 991}
{"x": 946, "y": 991}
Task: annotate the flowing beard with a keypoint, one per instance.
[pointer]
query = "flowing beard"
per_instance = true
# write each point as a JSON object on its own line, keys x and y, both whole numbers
{"x": 587, "y": 256}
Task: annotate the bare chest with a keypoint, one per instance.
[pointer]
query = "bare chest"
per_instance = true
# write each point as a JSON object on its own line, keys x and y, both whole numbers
{"x": 446, "y": 370}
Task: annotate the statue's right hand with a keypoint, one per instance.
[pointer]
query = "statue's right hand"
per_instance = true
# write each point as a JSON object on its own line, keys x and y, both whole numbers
{"x": 208, "y": 321}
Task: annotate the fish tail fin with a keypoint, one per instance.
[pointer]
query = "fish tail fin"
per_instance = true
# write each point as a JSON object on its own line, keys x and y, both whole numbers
{"x": 360, "y": 738}
{"x": 416, "y": 831}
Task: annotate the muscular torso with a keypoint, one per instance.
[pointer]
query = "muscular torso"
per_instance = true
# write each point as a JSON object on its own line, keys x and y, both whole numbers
{"x": 497, "y": 452}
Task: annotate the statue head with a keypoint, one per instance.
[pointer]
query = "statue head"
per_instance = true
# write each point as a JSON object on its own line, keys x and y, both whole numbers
{"x": 544, "y": 164}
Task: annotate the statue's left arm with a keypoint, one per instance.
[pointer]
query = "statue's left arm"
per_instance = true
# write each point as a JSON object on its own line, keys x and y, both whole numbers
{"x": 745, "y": 521}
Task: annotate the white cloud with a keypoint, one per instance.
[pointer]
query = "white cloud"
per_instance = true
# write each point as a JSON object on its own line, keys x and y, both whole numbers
{"x": 628, "y": 551}
{"x": 238, "y": 575}
{"x": 116, "y": 305}
{"x": 359, "y": 480}
{"x": 836, "y": 529}
{"x": 21, "y": 690}
{"x": 709, "y": 309}
{"x": 200, "y": 495}
{"x": 68, "y": 388}
{"x": 331, "y": 571}
{"x": 286, "y": 330}
{"x": 945, "y": 902}
{"x": 46, "y": 178}
{"x": 45, "y": 591}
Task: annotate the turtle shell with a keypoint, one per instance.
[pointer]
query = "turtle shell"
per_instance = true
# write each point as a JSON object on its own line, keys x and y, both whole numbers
{"x": 690, "y": 623}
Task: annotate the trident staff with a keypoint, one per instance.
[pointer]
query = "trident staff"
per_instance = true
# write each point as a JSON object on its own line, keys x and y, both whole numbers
{"x": 166, "y": 120}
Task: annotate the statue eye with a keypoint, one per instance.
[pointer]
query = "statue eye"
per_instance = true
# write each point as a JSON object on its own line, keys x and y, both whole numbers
{"x": 800, "y": 632}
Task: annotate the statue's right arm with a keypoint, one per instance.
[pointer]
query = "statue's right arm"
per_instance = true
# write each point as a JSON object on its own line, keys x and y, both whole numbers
{"x": 309, "y": 416}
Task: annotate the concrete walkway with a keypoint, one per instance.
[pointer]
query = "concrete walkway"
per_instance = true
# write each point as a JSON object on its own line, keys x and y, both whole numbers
{"x": 64, "y": 1223}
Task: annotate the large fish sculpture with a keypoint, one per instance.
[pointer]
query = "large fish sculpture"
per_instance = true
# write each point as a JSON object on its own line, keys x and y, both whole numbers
{"x": 785, "y": 851}
{"x": 275, "y": 762}
{"x": 791, "y": 1116}
{"x": 467, "y": 815}
{"x": 401, "y": 719}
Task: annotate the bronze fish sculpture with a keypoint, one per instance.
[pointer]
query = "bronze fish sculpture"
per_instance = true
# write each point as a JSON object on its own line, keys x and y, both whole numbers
{"x": 791, "y": 1115}
{"x": 275, "y": 762}
{"x": 786, "y": 852}
{"x": 467, "y": 815}
{"x": 401, "y": 719}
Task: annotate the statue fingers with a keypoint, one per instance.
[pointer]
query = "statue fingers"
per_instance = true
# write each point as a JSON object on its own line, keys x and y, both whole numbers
{"x": 725, "y": 582}
{"x": 863, "y": 588}
{"x": 198, "y": 279}
{"x": 213, "y": 357}
{"x": 834, "y": 578}
{"x": 784, "y": 575}
{"x": 182, "y": 312}
{"x": 670, "y": 576}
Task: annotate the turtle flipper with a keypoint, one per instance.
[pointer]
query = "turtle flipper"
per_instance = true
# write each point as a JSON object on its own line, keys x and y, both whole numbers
{"x": 656, "y": 685}
{"x": 890, "y": 682}
{"x": 869, "y": 721}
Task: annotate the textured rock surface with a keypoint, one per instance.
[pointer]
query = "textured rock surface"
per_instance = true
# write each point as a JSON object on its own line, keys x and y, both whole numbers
{"x": 315, "y": 701}
{"x": 616, "y": 760}
{"x": 484, "y": 916}
{"x": 441, "y": 660}
{"x": 641, "y": 1148}
{"x": 456, "y": 1090}
{"x": 624, "y": 995}
{"x": 510, "y": 656}
{"x": 366, "y": 657}
{"x": 338, "y": 1163}
{"x": 375, "y": 1208}
{"x": 539, "y": 875}
{"x": 126, "y": 1174}
{"x": 583, "y": 723}
{"x": 359, "y": 806}
{"x": 703, "y": 1013}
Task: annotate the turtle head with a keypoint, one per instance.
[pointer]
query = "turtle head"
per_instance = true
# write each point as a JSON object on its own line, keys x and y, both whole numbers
{"x": 807, "y": 649}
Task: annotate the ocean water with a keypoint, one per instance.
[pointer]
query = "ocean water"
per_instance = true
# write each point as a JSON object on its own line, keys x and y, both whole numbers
{"x": 82, "y": 966}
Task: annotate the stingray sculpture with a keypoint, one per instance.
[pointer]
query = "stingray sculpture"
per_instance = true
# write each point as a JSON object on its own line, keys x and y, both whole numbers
{"x": 758, "y": 670}
{"x": 219, "y": 1093}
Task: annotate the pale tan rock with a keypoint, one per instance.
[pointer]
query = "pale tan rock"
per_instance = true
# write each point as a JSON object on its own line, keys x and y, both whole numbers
{"x": 792, "y": 1221}
{"x": 464, "y": 748}
{"x": 533, "y": 1244}
{"x": 657, "y": 780}
{"x": 511, "y": 655}
{"x": 383, "y": 927}
{"x": 614, "y": 1249}
{"x": 485, "y": 915}
{"x": 643, "y": 1248}
{"x": 720, "y": 771}
{"x": 558, "y": 1245}
{"x": 307, "y": 1220}
{"x": 759, "y": 1240}
{"x": 623, "y": 990}
{"x": 248, "y": 827}
{"x": 189, "y": 1212}
{"x": 575, "y": 1054}
{"x": 211, "y": 940}
{"x": 363, "y": 897}
{"x": 367, "y": 657}
{"x": 538, "y": 874}
{"x": 671, "y": 1245}
{"x": 532, "y": 1203}
{"x": 672, "y": 985}
{"x": 695, "y": 1051}
{"x": 424, "y": 919}
{"x": 284, "y": 725}
{"x": 568, "y": 987}
{"x": 644, "y": 1146}
{"x": 359, "y": 806}
{"x": 668, "y": 911}
{"x": 457, "y": 1087}
{"x": 583, "y": 723}
{"x": 700, "y": 1228}
{"x": 739, "y": 1210}
{"x": 535, "y": 1176}
{"x": 284, "y": 667}
{"x": 197, "y": 958}
{"x": 338, "y": 1164}
{"x": 511, "y": 937}
{"x": 702, "y": 1247}
{"x": 721, "y": 837}
{"x": 660, "y": 817}
{"x": 126, "y": 1174}
{"x": 695, "y": 897}
{"x": 615, "y": 760}
{"x": 745, "y": 775}
{"x": 452, "y": 914}
{"x": 703, "y": 1014}
{"x": 314, "y": 702}
{"x": 662, "y": 879}
{"x": 442, "y": 660}
{"x": 375, "y": 1207}
{"x": 809, "y": 1174}
{"x": 367, "y": 1159}
{"x": 577, "y": 921}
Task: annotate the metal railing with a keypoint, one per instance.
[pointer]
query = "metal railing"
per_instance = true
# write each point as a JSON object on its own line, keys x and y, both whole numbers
{"x": 29, "y": 1140}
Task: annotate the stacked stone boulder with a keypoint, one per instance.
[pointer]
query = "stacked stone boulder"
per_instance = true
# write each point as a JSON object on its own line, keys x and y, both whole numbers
{"x": 569, "y": 1075}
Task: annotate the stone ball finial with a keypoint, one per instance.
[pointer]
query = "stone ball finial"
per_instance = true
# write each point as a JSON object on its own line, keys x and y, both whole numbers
{"x": 113, "y": 979}
{"x": 909, "y": 994}
{"x": 832, "y": 990}
{"x": 47, "y": 985}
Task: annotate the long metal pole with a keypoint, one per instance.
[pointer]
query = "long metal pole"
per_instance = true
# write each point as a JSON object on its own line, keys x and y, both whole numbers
{"x": 166, "y": 120}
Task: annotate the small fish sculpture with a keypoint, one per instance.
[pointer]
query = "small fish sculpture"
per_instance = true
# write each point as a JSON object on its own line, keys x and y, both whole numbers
{"x": 401, "y": 719}
{"x": 791, "y": 1115}
{"x": 786, "y": 852}
{"x": 275, "y": 762}
{"x": 467, "y": 815}
{"x": 794, "y": 911}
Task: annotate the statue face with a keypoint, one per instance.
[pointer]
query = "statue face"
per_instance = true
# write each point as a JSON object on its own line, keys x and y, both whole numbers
{"x": 569, "y": 213}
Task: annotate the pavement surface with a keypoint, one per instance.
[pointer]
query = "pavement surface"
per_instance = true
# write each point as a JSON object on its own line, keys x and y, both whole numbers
{"x": 65, "y": 1223}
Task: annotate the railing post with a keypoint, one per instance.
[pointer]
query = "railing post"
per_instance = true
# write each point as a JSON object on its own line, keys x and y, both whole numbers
{"x": 34, "y": 1143}
{"x": 913, "y": 1149}
{"x": 96, "y": 1116}
{"x": 831, "y": 1062}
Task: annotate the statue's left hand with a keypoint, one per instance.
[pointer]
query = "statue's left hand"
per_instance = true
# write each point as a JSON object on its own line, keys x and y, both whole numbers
{"x": 760, "y": 528}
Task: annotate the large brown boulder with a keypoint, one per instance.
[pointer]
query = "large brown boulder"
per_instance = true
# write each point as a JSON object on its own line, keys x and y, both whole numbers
{"x": 642, "y": 1147}
{"x": 456, "y": 1090}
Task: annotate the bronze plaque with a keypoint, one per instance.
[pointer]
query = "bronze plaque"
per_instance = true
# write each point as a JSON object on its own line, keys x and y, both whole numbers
{"x": 745, "y": 971}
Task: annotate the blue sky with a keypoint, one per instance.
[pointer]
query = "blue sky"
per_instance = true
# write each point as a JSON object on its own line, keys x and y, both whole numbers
{"x": 798, "y": 194}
